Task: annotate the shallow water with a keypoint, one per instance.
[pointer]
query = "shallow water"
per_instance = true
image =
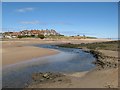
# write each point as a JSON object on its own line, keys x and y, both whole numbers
{"x": 69, "y": 60}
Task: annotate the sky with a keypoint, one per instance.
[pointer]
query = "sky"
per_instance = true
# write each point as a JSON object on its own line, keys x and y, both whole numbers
{"x": 99, "y": 19}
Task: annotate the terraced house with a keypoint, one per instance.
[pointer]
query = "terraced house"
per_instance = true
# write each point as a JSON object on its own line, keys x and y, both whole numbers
{"x": 31, "y": 33}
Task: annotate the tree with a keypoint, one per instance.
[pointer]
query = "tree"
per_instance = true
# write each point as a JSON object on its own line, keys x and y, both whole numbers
{"x": 41, "y": 36}
{"x": 84, "y": 36}
{"x": 19, "y": 36}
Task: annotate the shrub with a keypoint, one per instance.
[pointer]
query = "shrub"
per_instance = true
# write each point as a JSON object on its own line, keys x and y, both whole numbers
{"x": 19, "y": 37}
{"x": 41, "y": 36}
{"x": 32, "y": 36}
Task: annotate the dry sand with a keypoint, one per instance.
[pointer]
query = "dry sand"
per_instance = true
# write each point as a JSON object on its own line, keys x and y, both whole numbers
{"x": 109, "y": 53}
{"x": 18, "y": 54}
{"x": 15, "y": 52}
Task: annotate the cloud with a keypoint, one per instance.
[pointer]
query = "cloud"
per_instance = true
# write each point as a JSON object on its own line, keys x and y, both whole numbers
{"x": 32, "y": 22}
{"x": 25, "y": 9}
{"x": 45, "y": 23}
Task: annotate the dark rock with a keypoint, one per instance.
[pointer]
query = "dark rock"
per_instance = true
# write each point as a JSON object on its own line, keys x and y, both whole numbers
{"x": 44, "y": 77}
{"x": 59, "y": 79}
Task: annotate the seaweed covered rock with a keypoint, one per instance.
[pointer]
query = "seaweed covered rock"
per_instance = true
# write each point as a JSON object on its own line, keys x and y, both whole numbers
{"x": 47, "y": 76}
{"x": 104, "y": 61}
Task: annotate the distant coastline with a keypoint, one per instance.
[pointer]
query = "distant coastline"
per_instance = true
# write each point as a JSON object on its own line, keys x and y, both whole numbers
{"x": 115, "y": 38}
{"x": 111, "y": 38}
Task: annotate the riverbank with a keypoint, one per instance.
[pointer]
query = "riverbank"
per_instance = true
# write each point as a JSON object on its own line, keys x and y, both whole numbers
{"x": 106, "y": 53}
{"x": 105, "y": 75}
{"x": 93, "y": 79}
{"x": 16, "y": 50}
{"x": 63, "y": 82}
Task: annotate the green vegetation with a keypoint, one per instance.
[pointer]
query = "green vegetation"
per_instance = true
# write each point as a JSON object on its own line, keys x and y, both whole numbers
{"x": 54, "y": 37}
{"x": 57, "y": 36}
{"x": 41, "y": 36}
{"x": 91, "y": 37}
{"x": 111, "y": 45}
{"x": 32, "y": 36}
{"x": 20, "y": 37}
{"x": 26, "y": 36}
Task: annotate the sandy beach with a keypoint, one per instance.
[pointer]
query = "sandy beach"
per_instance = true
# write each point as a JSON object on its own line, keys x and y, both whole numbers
{"x": 17, "y": 51}
{"x": 96, "y": 78}
{"x": 93, "y": 79}
{"x": 14, "y": 51}
{"x": 19, "y": 54}
{"x": 59, "y": 44}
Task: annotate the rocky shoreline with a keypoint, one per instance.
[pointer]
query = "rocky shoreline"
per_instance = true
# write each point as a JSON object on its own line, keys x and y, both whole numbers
{"x": 42, "y": 78}
{"x": 103, "y": 61}
{"x": 104, "y": 73}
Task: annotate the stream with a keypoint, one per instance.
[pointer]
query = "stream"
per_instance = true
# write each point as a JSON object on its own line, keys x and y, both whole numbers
{"x": 69, "y": 60}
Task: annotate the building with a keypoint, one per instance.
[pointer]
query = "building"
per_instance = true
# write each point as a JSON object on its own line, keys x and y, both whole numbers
{"x": 31, "y": 33}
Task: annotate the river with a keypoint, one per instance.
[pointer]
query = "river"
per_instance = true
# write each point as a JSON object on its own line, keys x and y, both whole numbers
{"x": 69, "y": 60}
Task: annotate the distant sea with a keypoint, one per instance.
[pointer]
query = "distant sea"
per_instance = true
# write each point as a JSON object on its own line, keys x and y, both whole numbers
{"x": 112, "y": 38}
{"x": 115, "y": 38}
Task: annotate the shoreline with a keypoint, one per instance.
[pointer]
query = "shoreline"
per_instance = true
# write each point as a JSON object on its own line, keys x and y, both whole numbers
{"x": 104, "y": 75}
{"x": 9, "y": 47}
{"x": 30, "y": 61}
{"x": 103, "y": 57}
{"x": 76, "y": 78}
{"x": 21, "y": 53}
{"x": 100, "y": 59}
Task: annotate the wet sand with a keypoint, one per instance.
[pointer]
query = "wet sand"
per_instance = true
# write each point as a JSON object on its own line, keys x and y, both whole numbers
{"x": 97, "y": 78}
{"x": 93, "y": 79}
{"x": 103, "y": 78}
